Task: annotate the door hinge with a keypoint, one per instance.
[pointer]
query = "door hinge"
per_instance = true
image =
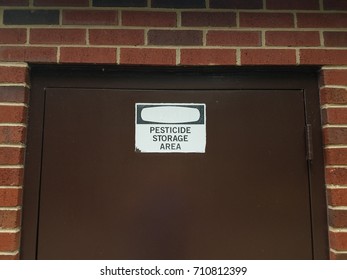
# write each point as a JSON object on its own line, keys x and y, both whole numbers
{"x": 309, "y": 143}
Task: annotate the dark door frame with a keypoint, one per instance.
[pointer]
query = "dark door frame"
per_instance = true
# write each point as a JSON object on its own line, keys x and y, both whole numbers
{"x": 282, "y": 78}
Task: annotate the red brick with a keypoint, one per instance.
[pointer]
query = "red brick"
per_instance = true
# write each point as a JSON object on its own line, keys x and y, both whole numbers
{"x": 338, "y": 256}
{"x": 268, "y": 57}
{"x": 28, "y": 54}
{"x": 13, "y": 35}
{"x": 95, "y": 17}
{"x": 338, "y": 218}
{"x": 338, "y": 240}
{"x": 292, "y": 5}
{"x": 336, "y": 156}
{"x": 335, "y": 39}
{"x": 233, "y": 38}
{"x": 13, "y": 114}
{"x": 337, "y": 197}
{"x": 335, "y": 135}
{"x": 292, "y": 38}
{"x": 333, "y": 96}
{"x": 319, "y": 20}
{"x": 208, "y": 57}
{"x": 334, "y": 116}
{"x": 57, "y": 36}
{"x": 175, "y": 37}
{"x": 11, "y": 155}
{"x": 236, "y": 4}
{"x": 59, "y": 3}
{"x": 16, "y": 94}
{"x": 13, "y": 74}
{"x": 12, "y": 134}
{"x": 149, "y": 19}
{"x": 273, "y": 20}
{"x": 9, "y": 241}
{"x": 130, "y": 37}
{"x": 10, "y": 177}
{"x": 9, "y": 257}
{"x": 323, "y": 57}
{"x": 334, "y": 77}
{"x": 148, "y": 56}
{"x": 88, "y": 55}
{"x": 10, "y": 218}
{"x": 336, "y": 176}
{"x": 14, "y": 2}
{"x": 337, "y": 5}
{"x": 213, "y": 19}
{"x": 10, "y": 197}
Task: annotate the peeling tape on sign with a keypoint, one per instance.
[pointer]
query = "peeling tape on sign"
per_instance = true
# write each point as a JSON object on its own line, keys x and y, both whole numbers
{"x": 170, "y": 127}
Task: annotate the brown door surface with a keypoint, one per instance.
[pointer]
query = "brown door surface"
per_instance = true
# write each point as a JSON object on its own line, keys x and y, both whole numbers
{"x": 247, "y": 197}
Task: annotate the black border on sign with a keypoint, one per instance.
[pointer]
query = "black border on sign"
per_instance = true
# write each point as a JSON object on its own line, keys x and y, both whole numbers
{"x": 140, "y": 107}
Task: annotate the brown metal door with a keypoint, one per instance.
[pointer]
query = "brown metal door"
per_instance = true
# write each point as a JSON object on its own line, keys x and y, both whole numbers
{"x": 247, "y": 197}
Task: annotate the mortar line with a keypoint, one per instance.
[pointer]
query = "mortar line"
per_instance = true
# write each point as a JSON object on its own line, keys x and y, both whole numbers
{"x": 13, "y": 64}
{"x": 295, "y": 20}
{"x": 120, "y": 18}
{"x": 12, "y": 104}
{"x": 335, "y": 187}
{"x": 238, "y": 56}
{"x": 336, "y": 166}
{"x": 22, "y": 146}
{"x": 178, "y": 56}
{"x": 263, "y": 38}
{"x": 1, "y": 17}
{"x": 118, "y": 55}
{"x": 13, "y": 124}
{"x": 87, "y": 37}
{"x": 15, "y": 85}
{"x": 60, "y": 17}
{"x": 15, "y": 208}
{"x": 297, "y": 56}
{"x": 337, "y": 207}
{"x": 11, "y": 187}
{"x": 342, "y": 67}
{"x": 15, "y": 230}
{"x": 337, "y": 230}
{"x": 58, "y": 55}
{"x": 332, "y": 106}
{"x": 146, "y": 30}
{"x": 337, "y": 252}
{"x": 204, "y": 37}
{"x": 12, "y": 166}
{"x": 321, "y": 39}
{"x": 237, "y": 19}
{"x": 179, "y": 18}
{"x": 13, "y": 253}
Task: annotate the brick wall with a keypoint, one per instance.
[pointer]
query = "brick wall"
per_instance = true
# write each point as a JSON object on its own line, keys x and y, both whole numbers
{"x": 334, "y": 118}
{"x": 176, "y": 32}
{"x": 13, "y": 113}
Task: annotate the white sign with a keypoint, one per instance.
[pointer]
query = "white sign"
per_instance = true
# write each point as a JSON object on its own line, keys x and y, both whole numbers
{"x": 170, "y": 127}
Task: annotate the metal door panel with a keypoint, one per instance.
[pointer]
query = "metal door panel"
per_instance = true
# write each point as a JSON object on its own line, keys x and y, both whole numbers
{"x": 247, "y": 197}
